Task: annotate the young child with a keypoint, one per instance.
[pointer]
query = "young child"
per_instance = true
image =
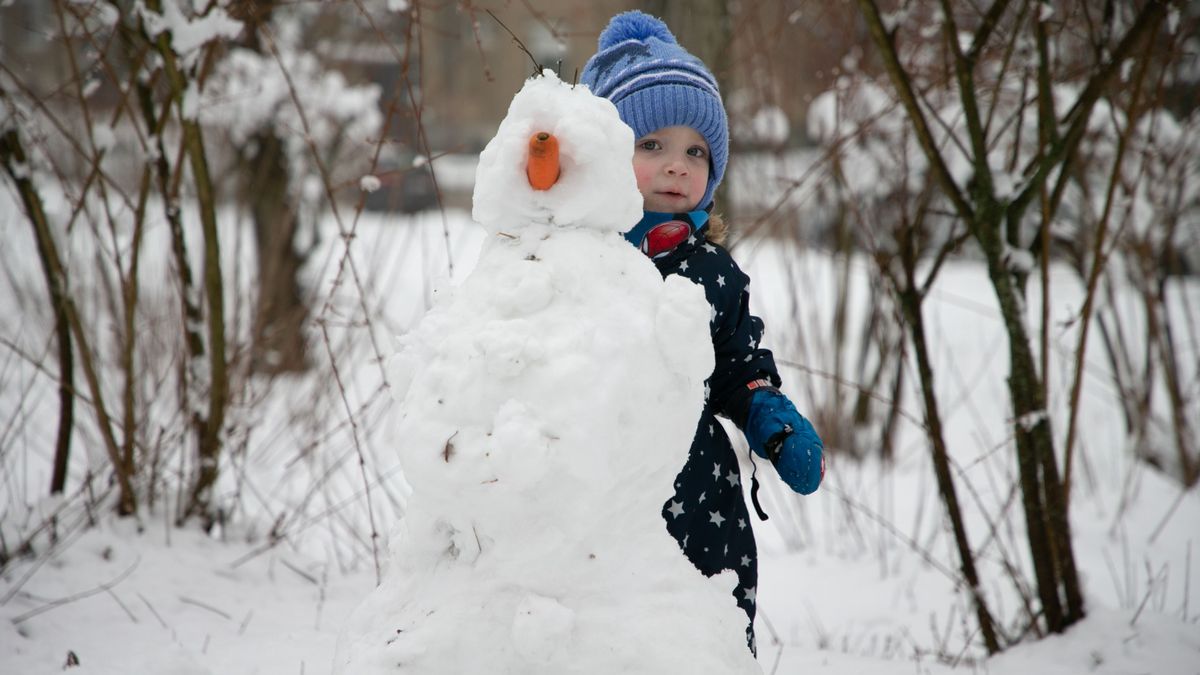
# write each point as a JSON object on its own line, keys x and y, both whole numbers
{"x": 671, "y": 101}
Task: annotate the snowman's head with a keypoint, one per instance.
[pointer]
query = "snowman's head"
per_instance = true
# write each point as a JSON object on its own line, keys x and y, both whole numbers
{"x": 595, "y": 188}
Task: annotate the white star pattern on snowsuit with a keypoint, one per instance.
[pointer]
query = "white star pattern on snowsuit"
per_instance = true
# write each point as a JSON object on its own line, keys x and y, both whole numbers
{"x": 717, "y": 548}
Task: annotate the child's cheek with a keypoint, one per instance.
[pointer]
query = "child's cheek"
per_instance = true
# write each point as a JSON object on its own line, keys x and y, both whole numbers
{"x": 698, "y": 184}
{"x": 644, "y": 175}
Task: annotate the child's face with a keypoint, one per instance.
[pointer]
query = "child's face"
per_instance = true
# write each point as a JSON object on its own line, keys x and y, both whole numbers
{"x": 671, "y": 165}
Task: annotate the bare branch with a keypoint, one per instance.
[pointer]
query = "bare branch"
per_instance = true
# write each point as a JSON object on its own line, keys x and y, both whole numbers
{"x": 904, "y": 89}
{"x": 964, "y": 72}
{"x": 985, "y": 29}
{"x": 1060, "y": 152}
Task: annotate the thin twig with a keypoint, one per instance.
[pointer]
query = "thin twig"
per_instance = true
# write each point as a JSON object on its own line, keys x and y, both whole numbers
{"x": 102, "y": 588}
{"x": 537, "y": 67}
{"x": 1151, "y": 585}
{"x": 56, "y": 544}
{"x": 245, "y": 622}
{"x": 305, "y": 575}
{"x": 851, "y": 385}
{"x": 916, "y": 548}
{"x": 1187, "y": 581}
{"x": 1183, "y": 492}
{"x": 153, "y": 611}
{"x": 196, "y": 603}
{"x": 122, "y": 605}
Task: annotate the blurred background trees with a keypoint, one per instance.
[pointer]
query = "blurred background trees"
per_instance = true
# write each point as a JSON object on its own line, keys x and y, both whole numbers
{"x": 174, "y": 168}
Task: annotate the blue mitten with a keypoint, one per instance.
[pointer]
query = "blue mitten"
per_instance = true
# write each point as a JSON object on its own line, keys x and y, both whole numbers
{"x": 776, "y": 431}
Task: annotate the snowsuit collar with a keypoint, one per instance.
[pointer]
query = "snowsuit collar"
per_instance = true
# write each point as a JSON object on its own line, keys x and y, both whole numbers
{"x": 658, "y": 233}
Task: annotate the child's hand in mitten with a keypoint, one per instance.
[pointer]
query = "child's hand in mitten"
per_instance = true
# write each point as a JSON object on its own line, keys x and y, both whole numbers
{"x": 775, "y": 430}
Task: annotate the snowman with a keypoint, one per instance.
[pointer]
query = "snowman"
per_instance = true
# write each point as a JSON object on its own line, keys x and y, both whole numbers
{"x": 545, "y": 406}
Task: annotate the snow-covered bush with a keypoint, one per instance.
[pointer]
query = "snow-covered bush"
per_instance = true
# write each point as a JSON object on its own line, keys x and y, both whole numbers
{"x": 1023, "y": 139}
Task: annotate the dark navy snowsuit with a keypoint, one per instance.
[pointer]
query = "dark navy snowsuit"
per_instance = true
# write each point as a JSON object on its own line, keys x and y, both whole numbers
{"x": 708, "y": 515}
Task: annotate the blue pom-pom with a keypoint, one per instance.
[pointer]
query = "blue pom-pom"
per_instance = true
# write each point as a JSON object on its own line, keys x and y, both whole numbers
{"x": 634, "y": 25}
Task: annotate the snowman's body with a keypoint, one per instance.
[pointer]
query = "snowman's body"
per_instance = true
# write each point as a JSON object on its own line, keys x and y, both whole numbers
{"x": 547, "y": 405}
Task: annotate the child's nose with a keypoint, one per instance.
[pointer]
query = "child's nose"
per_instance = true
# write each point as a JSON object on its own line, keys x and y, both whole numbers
{"x": 677, "y": 167}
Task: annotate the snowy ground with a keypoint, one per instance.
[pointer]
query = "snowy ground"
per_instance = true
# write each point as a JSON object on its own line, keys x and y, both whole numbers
{"x": 851, "y": 578}
{"x": 179, "y": 603}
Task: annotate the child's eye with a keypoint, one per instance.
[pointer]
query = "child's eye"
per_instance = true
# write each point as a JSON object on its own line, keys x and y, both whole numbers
{"x": 650, "y": 144}
{"x": 698, "y": 151}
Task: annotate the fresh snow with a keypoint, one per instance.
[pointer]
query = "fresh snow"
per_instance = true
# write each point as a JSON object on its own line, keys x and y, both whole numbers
{"x": 852, "y": 578}
{"x": 188, "y": 35}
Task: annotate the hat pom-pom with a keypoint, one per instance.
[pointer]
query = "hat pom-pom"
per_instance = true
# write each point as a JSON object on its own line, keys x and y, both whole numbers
{"x": 634, "y": 25}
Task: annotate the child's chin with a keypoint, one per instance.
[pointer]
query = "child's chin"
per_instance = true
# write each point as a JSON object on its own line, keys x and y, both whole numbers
{"x": 668, "y": 206}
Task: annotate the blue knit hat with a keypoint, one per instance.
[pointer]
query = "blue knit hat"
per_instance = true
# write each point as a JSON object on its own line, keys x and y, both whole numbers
{"x": 656, "y": 83}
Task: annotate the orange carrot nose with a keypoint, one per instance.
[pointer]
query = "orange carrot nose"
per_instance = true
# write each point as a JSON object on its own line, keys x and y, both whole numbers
{"x": 542, "y": 169}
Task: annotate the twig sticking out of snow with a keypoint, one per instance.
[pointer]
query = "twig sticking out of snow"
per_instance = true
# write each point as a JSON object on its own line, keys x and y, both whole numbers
{"x": 189, "y": 601}
{"x": 102, "y": 588}
{"x": 153, "y": 611}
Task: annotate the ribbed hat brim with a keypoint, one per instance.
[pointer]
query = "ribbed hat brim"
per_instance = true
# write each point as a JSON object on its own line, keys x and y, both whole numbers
{"x": 665, "y": 105}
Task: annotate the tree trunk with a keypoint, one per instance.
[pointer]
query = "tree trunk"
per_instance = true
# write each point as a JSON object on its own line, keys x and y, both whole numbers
{"x": 911, "y": 301}
{"x": 209, "y": 451}
{"x": 281, "y": 312}
{"x": 10, "y": 152}
{"x": 1041, "y": 488}
{"x": 209, "y": 426}
{"x": 11, "y": 155}
{"x": 192, "y": 365}
{"x": 279, "y": 342}
{"x": 66, "y": 399}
